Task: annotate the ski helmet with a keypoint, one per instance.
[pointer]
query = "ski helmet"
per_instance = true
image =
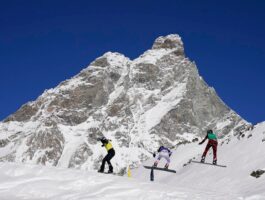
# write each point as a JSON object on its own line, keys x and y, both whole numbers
{"x": 104, "y": 140}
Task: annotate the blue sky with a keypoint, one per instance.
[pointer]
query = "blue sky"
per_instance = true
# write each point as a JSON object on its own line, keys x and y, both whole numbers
{"x": 45, "y": 42}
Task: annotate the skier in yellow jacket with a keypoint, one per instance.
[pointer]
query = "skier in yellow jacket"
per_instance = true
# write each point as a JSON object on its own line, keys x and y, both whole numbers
{"x": 111, "y": 153}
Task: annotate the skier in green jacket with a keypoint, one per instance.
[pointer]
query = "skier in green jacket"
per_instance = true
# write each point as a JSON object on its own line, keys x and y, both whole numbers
{"x": 212, "y": 142}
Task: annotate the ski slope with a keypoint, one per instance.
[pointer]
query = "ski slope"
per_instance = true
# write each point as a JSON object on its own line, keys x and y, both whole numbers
{"x": 192, "y": 182}
{"x": 242, "y": 155}
{"x": 31, "y": 182}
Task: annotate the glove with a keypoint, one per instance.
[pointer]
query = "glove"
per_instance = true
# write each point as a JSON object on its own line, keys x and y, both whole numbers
{"x": 154, "y": 154}
{"x": 170, "y": 154}
{"x": 200, "y": 143}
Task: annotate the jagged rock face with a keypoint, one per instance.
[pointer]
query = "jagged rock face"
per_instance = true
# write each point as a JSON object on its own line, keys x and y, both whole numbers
{"x": 158, "y": 98}
{"x": 169, "y": 42}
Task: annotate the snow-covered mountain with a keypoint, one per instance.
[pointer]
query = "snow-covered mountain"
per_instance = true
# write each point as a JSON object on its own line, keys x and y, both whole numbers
{"x": 242, "y": 155}
{"x": 157, "y": 98}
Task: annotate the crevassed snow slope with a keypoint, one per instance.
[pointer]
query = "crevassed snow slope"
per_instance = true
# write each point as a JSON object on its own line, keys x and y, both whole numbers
{"x": 31, "y": 182}
{"x": 242, "y": 155}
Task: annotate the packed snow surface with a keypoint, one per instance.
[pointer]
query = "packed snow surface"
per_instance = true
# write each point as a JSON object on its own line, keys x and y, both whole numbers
{"x": 33, "y": 182}
{"x": 241, "y": 154}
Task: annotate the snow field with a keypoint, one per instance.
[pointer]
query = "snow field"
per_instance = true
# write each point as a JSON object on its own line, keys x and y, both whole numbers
{"x": 241, "y": 155}
{"x": 191, "y": 182}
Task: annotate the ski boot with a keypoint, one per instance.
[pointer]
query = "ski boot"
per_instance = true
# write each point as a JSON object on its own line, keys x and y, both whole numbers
{"x": 100, "y": 171}
{"x": 110, "y": 169}
{"x": 166, "y": 166}
{"x": 214, "y": 162}
{"x": 202, "y": 159}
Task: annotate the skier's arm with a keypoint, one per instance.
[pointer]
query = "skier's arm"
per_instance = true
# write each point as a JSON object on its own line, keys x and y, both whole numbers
{"x": 203, "y": 140}
{"x": 158, "y": 150}
{"x": 103, "y": 144}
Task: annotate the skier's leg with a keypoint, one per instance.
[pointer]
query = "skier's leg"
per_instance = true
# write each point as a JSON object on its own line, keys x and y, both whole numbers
{"x": 102, "y": 167}
{"x": 110, "y": 155}
{"x": 168, "y": 161}
{"x": 214, "y": 145}
{"x": 157, "y": 160}
{"x": 110, "y": 166}
{"x": 205, "y": 151}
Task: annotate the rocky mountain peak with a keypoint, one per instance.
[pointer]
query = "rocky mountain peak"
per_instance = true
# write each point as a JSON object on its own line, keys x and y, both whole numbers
{"x": 158, "y": 98}
{"x": 110, "y": 60}
{"x": 168, "y": 42}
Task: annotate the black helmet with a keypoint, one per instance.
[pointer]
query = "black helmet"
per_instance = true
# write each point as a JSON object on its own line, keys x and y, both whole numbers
{"x": 104, "y": 140}
{"x": 209, "y": 131}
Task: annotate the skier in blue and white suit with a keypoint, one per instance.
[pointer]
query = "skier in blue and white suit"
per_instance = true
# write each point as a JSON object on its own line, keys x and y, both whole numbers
{"x": 165, "y": 153}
